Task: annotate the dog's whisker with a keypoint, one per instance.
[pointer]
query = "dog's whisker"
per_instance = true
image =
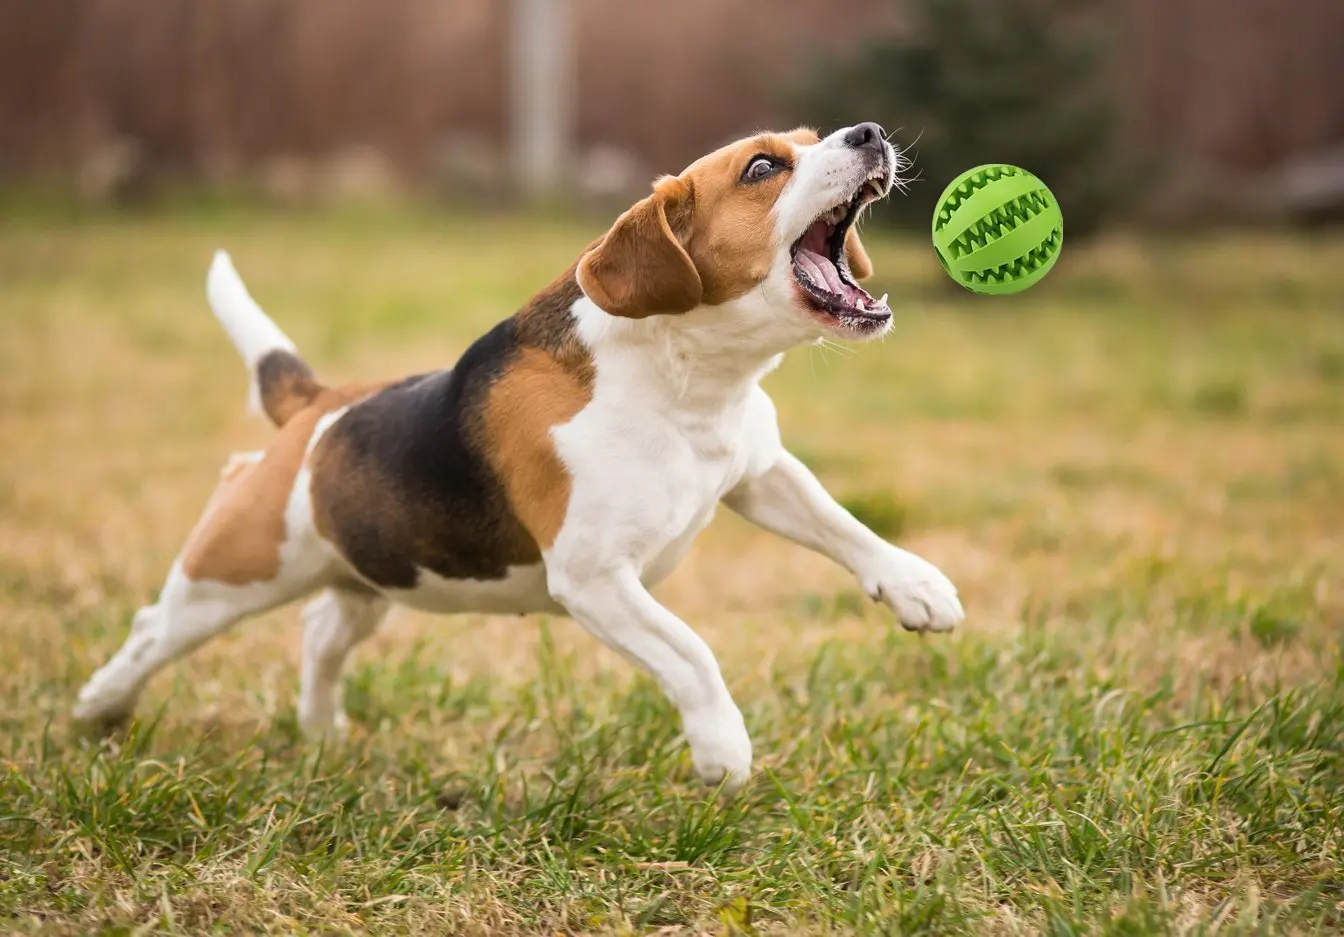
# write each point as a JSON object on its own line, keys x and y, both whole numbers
{"x": 913, "y": 143}
{"x": 842, "y": 350}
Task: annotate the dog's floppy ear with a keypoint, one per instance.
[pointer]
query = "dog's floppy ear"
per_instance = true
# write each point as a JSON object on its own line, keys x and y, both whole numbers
{"x": 640, "y": 268}
{"x": 857, "y": 258}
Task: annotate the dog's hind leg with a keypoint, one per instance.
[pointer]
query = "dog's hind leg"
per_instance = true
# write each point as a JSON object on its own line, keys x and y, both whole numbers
{"x": 333, "y": 623}
{"x": 252, "y": 550}
{"x": 188, "y": 613}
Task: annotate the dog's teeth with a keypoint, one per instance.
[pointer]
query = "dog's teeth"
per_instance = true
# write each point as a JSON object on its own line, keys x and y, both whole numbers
{"x": 883, "y": 300}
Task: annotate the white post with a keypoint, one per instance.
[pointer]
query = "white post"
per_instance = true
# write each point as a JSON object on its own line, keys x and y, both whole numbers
{"x": 540, "y": 94}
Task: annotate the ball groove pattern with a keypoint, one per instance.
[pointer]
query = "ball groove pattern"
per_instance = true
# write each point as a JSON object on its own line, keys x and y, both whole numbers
{"x": 997, "y": 229}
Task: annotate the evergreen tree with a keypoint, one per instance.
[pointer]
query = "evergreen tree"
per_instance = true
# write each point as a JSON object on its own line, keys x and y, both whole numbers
{"x": 991, "y": 81}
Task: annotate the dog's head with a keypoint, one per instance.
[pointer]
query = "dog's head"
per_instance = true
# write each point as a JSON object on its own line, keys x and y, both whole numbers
{"x": 761, "y": 230}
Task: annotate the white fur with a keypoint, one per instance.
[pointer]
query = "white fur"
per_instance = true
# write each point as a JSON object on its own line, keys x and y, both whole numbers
{"x": 677, "y": 423}
{"x": 188, "y": 613}
{"x": 521, "y": 590}
{"x": 333, "y": 623}
{"x": 252, "y": 331}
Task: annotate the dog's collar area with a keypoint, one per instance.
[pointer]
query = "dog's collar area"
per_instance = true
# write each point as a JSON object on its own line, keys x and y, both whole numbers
{"x": 823, "y": 273}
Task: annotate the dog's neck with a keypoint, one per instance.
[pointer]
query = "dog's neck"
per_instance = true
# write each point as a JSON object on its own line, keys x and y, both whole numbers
{"x": 706, "y": 359}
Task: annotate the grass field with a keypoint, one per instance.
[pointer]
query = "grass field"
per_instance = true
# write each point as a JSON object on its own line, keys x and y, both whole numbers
{"x": 1135, "y": 474}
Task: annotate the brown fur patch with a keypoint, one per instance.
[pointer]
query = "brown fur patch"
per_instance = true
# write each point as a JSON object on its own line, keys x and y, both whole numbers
{"x": 728, "y": 236}
{"x": 534, "y": 395}
{"x": 287, "y": 385}
{"x": 237, "y": 540}
{"x": 641, "y": 268}
{"x": 546, "y": 323}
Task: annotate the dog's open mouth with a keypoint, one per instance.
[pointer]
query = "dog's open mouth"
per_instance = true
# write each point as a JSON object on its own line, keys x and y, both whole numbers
{"x": 819, "y": 265}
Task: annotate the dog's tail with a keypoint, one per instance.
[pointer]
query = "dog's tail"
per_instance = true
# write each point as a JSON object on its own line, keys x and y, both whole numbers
{"x": 282, "y": 384}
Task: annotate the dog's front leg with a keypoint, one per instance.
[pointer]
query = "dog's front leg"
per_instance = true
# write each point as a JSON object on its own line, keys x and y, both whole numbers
{"x": 616, "y": 608}
{"x": 787, "y": 499}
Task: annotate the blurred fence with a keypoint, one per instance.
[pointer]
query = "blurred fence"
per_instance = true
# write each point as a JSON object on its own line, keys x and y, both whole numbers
{"x": 217, "y": 89}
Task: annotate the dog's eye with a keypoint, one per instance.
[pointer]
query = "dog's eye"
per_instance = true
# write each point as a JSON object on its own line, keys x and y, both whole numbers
{"x": 760, "y": 167}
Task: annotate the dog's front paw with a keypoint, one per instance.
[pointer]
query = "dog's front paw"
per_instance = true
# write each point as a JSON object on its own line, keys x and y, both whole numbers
{"x": 922, "y": 598}
{"x": 96, "y": 718}
{"x": 720, "y": 746}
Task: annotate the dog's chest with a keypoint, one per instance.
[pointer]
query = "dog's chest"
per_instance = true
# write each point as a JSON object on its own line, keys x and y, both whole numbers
{"x": 712, "y": 466}
{"x": 647, "y": 480}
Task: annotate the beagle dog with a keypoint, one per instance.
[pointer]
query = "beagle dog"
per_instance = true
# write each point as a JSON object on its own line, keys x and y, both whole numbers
{"x": 567, "y": 461}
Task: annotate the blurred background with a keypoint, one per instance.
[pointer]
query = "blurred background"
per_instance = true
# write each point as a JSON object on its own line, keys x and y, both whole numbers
{"x": 1185, "y": 112}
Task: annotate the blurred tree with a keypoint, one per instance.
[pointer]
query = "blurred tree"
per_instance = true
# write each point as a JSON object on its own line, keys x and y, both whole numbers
{"x": 1025, "y": 82}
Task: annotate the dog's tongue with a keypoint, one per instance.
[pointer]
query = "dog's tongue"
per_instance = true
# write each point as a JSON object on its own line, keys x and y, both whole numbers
{"x": 822, "y": 270}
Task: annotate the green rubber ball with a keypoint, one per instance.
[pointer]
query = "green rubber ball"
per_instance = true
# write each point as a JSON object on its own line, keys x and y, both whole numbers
{"x": 997, "y": 229}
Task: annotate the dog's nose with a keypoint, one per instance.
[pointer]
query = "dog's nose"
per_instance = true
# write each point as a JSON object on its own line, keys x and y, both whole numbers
{"x": 866, "y": 135}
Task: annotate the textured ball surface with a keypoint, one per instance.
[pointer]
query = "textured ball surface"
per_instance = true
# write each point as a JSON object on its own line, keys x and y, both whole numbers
{"x": 997, "y": 229}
